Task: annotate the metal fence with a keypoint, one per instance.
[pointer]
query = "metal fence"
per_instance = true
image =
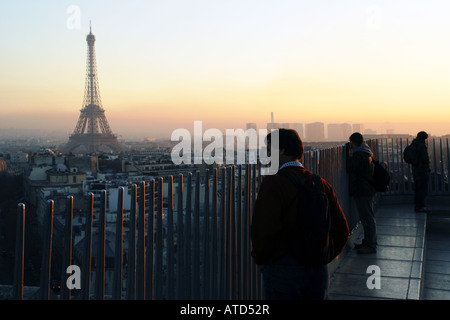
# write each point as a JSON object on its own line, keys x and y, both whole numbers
{"x": 194, "y": 242}
{"x": 390, "y": 152}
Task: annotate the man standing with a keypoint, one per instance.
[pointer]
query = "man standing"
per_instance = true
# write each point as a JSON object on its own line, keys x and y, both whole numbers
{"x": 360, "y": 168}
{"x": 285, "y": 276}
{"x": 421, "y": 170}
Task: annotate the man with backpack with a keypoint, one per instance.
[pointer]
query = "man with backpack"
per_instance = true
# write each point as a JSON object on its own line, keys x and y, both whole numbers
{"x": 297, "y": 228}
{"x": 360, "y": 168}
{"x": 420, "y": 162}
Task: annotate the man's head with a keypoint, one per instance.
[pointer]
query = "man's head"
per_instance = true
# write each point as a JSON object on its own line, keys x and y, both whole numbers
{"x": 422, "y": 135}
{"x": 356, "y": 139}
{"x": 290, "y": 145}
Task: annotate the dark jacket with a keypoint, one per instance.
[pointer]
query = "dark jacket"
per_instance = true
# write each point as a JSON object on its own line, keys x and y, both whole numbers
{"x": 275, "y": 207}
{"x": 360, "y": 168}
{"x": 422, "y": 163}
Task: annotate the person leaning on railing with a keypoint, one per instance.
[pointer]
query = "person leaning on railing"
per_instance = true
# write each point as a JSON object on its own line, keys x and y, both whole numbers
{"x": 421, "y": 171}
{"x": 360, "y": 167}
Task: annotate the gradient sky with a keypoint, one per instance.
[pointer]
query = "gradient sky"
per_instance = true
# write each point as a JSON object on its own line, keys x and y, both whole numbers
{"x": 164, "y": 64}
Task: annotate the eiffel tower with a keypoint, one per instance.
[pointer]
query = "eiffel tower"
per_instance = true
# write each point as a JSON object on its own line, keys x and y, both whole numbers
{"x": 92, "y": 132}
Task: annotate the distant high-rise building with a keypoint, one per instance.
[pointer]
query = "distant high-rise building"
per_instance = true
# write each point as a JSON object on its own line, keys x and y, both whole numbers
{"x": 250, "y": 125}
{"x": 92, "y": 132}
{"x": 273, "y": 126}
{"x": 334, "y": 132}
{"x": 358, "y": 127}
{"x": 339, "y": 131}
{"x": 286, "y": 125}
{"x": 299, "y": 128}
{"x": 346, "y": 131}
{"x": 315, "y": 132}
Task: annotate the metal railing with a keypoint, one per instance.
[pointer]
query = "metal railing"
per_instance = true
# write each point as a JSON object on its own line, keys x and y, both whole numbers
{"x": 390, "y": 152}
{"x": 201, "y": 249}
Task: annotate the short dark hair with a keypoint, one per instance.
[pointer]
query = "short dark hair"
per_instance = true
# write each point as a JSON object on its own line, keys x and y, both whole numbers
{"x": 357, "y": 138}
{"x": 290, "y": 141}
{"x": 422, "y": 135}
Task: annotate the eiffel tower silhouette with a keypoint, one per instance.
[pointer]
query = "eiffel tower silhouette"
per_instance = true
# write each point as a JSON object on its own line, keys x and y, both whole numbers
{"x": 92, "y": 132}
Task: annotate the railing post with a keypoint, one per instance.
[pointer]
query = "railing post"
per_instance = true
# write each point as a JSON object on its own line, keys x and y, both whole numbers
{"x": 67, "y": 253}
{"x": 140, "y": 277}
{"x": 196, "y": 250}
{"x": 435, "y": 178}
{"x": 222, "y": 237}
{"x": 239, "y": 241}
{"x": 150, "y": 254}
{"x": 170, "y": 249}
{"x": 159, "y": 275}
{"x": 206, "y": 244}
{"x": 442, "y": 191}
{"x": 87, "y": 257}
{"x": 448, "y": 167}
{"x": 410, "y": 184}
{"x": 214, "y": 274}
{"x": 188, "y": 242}
{"x": 180, "y": 242}
{"x": 228, "y": 242}
{"x": 233, "y": 233}
{"x": 19, "y": 253}
{"x": 100, "y": 258}
{"x": 47, "y": 253}
{"x": 401, "y": 176}
{"x": 118, "y": 259}
{"x": 255, "y": 270}
{"x": 131, "y": 257}
{"x": 245, "y": 235}
{"x": 394, "y": 170}
{"x": 402, "y": 167}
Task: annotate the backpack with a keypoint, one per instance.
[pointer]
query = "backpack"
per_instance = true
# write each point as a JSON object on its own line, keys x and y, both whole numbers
{"x": 309, "y": 238}
{"x": 381, "y": 177}
{"x": 410, "y": 154}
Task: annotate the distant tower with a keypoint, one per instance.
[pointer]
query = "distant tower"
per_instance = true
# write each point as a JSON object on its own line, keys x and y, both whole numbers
{"x": 92, "y": 133}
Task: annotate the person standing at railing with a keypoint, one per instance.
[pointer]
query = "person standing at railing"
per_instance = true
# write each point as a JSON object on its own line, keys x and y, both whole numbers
{"x": 360, "y": 168}
{"x": 421, "y": 171}
{"x": 290, "y": 269}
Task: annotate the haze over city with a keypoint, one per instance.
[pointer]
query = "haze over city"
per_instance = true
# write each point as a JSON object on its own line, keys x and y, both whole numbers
{"x": 164, "y": 65}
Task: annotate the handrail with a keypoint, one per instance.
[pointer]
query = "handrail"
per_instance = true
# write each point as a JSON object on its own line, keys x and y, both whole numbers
{"x": 198, "y": 247}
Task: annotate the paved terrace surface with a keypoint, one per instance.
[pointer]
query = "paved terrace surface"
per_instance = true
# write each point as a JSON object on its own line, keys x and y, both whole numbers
{"x": 401, "y": 256}
{"x": 436, "y": 285}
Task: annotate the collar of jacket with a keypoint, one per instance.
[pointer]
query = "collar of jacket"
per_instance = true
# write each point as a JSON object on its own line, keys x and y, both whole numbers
{"x": 292, "y": 164}
{"x": 363, "y": 148}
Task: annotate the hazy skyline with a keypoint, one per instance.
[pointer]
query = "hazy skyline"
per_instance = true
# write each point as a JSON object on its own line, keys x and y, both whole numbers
{"x": 164, "y": 64}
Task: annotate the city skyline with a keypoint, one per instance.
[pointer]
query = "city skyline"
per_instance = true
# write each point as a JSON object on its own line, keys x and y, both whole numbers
{"x": 163, "y": 66}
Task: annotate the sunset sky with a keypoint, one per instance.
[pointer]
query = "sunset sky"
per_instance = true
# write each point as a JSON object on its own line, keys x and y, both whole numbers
{"x": 164, "y": 64}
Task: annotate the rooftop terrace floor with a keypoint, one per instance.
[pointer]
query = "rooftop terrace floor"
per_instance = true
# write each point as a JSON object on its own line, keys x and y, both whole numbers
{"x": 413, "y": 260}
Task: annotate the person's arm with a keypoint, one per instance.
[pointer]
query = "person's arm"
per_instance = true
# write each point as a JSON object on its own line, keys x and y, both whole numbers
{"x": 424, "y": 158}
{"x": 339, "y": 226}
{"x": 348, "y": 157}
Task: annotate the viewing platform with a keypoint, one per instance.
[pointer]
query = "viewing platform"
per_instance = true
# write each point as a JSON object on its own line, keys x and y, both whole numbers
{"x": 410, "y": 265}
{"x": 188, "y": 238}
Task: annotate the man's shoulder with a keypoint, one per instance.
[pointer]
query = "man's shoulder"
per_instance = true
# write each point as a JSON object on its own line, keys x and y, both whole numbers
{"x": 301, "y": 174}
{"x": 420, "y": 144}
{"x": 361, "y": 154}
{"x": 362, "y": 157}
